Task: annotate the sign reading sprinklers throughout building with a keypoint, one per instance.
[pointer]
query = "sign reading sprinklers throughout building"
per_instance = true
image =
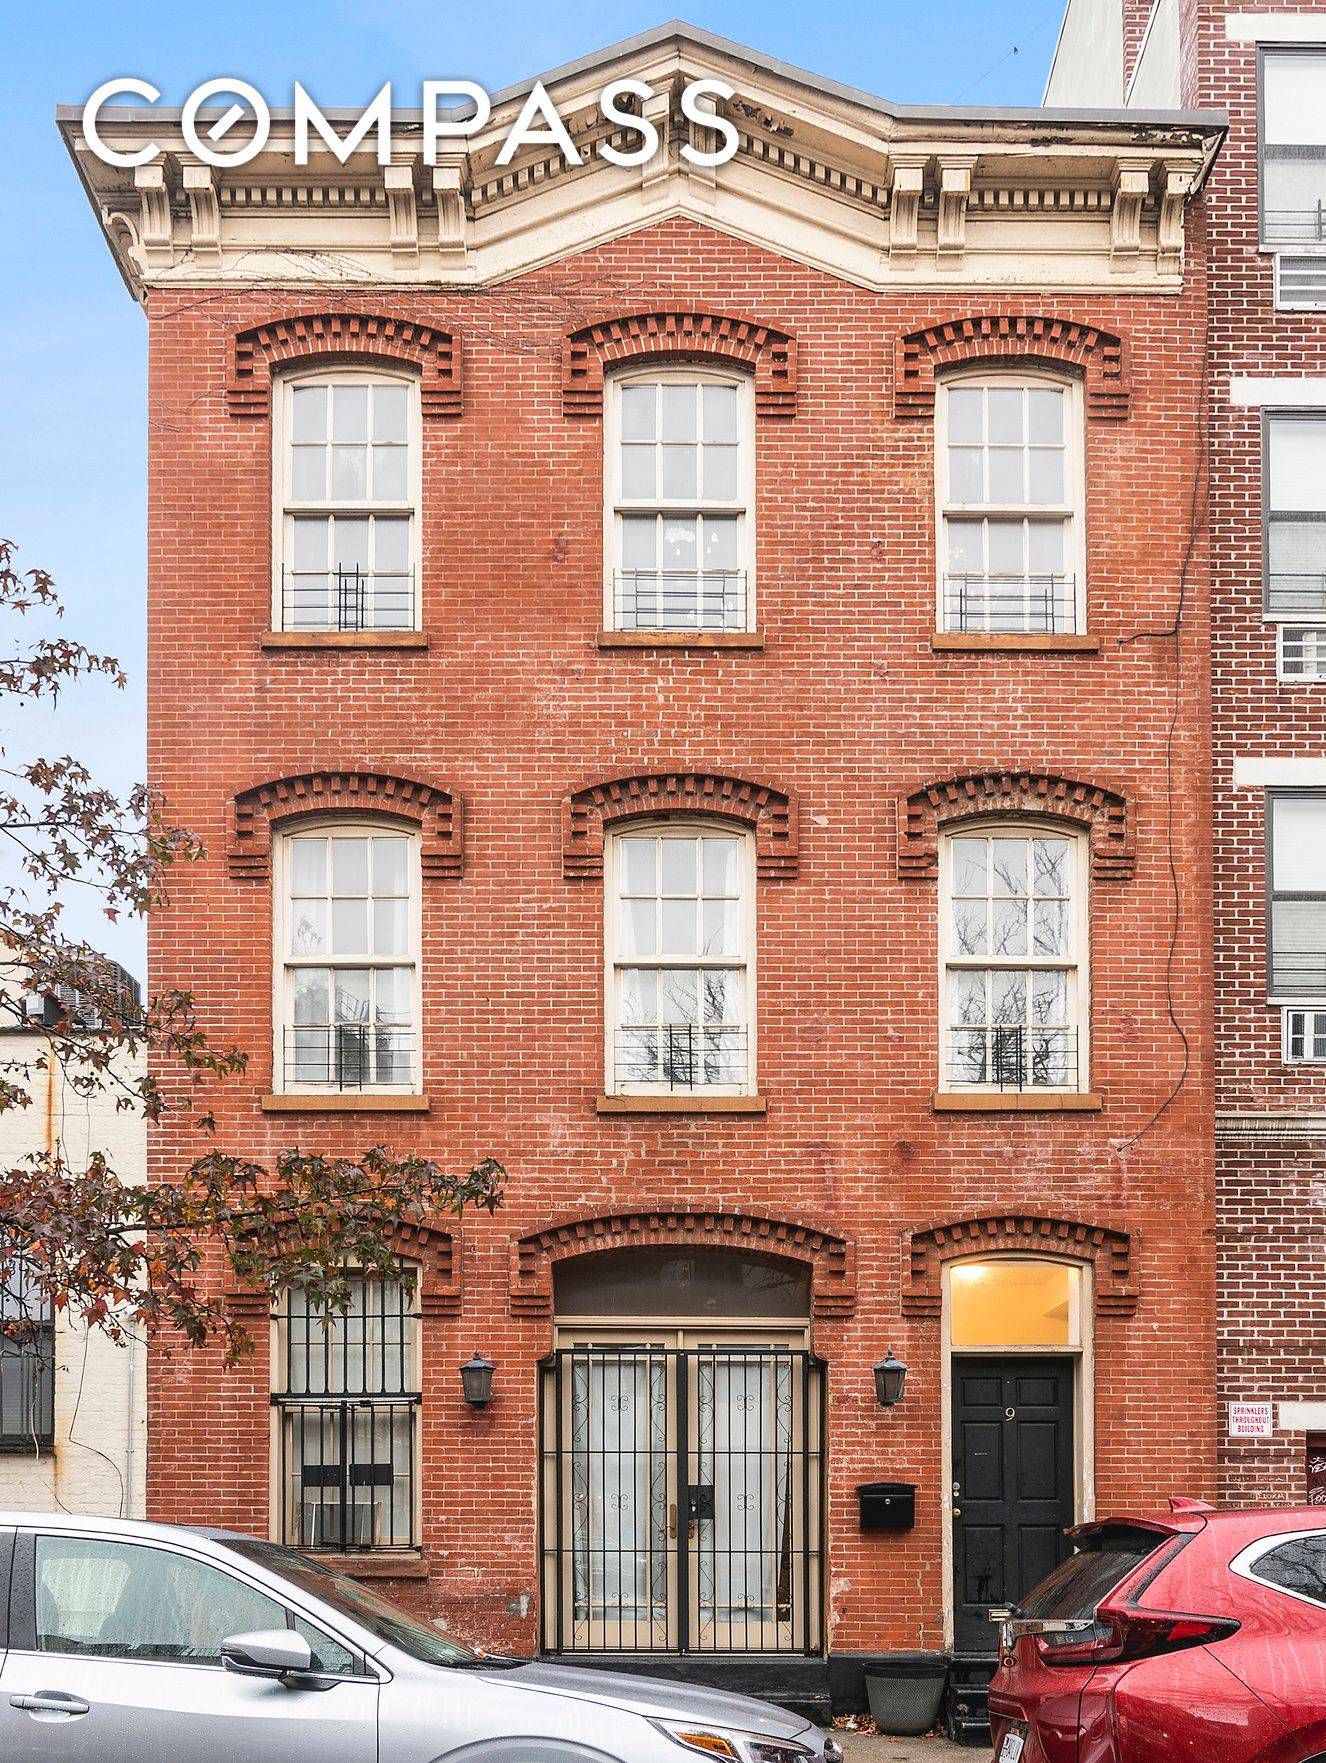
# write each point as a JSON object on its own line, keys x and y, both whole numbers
{"x": 451, "y": 111}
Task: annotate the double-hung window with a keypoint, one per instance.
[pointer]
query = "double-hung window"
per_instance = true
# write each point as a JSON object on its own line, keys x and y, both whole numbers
{"x": 347, "y": 1403}
{"x": 1293, "y": 147}
{"x": 347, "y": 986}
{"x": 1295, "y": 521}
{"x": 681, "y": 967}
{"x": 347, "y": 468}
{"x": 1296, "y": 941}
{"x": 679, "y": 535}
{"x": 1014, "y": 980}
{"x": 1010, "y": 501}
{"x": 27, "y": 1360}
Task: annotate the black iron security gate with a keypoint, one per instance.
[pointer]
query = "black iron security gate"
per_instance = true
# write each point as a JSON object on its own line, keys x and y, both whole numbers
{"x": 682, "y": 1499}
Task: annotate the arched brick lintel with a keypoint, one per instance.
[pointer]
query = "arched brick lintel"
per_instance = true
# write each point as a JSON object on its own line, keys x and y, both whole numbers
{"x": 1099, "y": 355}
{"x": 679, "y": 335}
{"x": 344, "y": 336}
{"x": 435, "y": 813}
{"x": 830, "y": 1258}
{"x": 1102, "y": 813}
{"x": 429, "y": 1248}
{"x": 1113, "y": 1254}
{"x": 770, "y": 811}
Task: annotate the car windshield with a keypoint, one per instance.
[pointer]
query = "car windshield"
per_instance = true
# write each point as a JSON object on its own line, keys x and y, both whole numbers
{"x": 368, "y": 1608}
{"x": 1074, "y": 1591}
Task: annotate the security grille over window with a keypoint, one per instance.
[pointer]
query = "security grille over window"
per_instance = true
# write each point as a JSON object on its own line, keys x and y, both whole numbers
{"x": 1293, "y": 119}
{"x": 1012, "y": 977}
{"x": 680, "y": 492}
{"x": 1302, "y": 652}
{"x": 683, "y": 1499}
{"x": 347, "y": 1419}
{"x": 679, "y": 979}
{"x": 1295, "y": 514}
{"x": 27, "y": 1359}
{"x": 1305, "y": 1036}
{"x": 1296, "y": 839}
{"x": 348, "y": 1009}
{"x": 348, "y": 499}
{"x": 1008, "y": 494}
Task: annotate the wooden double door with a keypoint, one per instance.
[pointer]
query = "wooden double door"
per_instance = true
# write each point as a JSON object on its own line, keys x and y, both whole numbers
{"x": 1014, "y": 1448}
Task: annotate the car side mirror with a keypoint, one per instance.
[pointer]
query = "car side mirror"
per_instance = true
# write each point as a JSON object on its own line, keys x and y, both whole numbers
{"x": 268, "y": 1652}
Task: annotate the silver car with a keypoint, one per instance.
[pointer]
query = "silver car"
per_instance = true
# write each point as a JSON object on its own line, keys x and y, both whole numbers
{"x": 144, "y": 1643}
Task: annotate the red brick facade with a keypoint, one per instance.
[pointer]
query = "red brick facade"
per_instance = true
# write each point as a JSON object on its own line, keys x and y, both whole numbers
{"x": 845, "y": 740}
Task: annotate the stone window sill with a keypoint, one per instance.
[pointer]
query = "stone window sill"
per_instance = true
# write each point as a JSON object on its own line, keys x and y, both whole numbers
{"x": 344, "y": 640}
{"x": 682, "y": 1105}
{"x": 1015, "y": 643}
{"x": 1016, "y": 1102}
{"x": 681, "y": 639}
{"x": 408, "y": 1564}
{"x": 333, "y": 1102}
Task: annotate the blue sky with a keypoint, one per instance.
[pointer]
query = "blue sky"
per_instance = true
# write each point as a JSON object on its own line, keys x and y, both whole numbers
{"x": 72, "y": 341}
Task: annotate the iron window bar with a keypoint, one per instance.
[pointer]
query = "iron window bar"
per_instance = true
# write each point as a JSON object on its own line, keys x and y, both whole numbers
{"x": 347, "y": 1472}
{"x": 1032, "y": 602}
{"x": 680, "y": 599}
{"x": 1297, "y": 226}
{"x": 27, "y": 1362}
{"x": 682, "y": 1056}
{"x": 1012, "y": 1057}
{"x": 348, "y": 1056}
{"x": 353, "y": 599}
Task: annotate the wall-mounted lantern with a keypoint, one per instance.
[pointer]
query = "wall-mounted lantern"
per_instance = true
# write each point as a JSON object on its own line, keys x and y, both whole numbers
{"x": 476, "y": 1380}
{"x": 890, "y": 1380}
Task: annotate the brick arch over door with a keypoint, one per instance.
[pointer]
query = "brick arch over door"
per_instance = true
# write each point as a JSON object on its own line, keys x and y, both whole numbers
{"x": 771, "y": 813}
{"x": 679, "y": 336}
{"x": 1104, "y": 814}
{"x": 1098, "y": 355}
{"x": 830, "y": 1259}
{"x": 1113, "y": 1254}
{"x": 358, "y": 338}
{"x": 435, "y": 813}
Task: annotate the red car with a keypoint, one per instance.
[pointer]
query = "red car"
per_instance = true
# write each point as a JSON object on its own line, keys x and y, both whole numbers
{"x": 1199, "y": 1637}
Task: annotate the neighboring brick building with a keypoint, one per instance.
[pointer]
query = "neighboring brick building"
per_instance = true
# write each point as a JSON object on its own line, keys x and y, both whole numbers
{"x": 1266, "y": 369}
{"x": 412, "y": 661}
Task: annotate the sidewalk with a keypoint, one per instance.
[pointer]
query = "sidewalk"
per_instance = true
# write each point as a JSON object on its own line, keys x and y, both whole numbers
{"x": 860, "y": 1747}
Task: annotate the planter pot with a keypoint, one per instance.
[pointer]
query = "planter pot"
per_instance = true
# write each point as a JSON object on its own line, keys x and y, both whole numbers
{"x": 905, "y": 1691}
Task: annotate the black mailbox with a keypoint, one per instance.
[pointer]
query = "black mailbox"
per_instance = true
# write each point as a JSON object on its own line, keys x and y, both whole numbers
{"x": 887, "y": 1505}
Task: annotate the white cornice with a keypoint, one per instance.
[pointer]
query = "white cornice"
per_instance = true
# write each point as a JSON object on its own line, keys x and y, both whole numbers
{"x": 876, "y": 195}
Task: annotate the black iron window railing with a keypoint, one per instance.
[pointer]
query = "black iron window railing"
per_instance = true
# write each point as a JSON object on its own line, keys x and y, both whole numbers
{"x": 1012, "y": 1057}
{"x": 682, "y": 1499}
{"x": 347, "y": 1472}
{"x": 350, "y": 599}
{"x": 349, "y": 1056}
{"x": 27, "y": 1362}
{"x": 1297, "y": 226}
{"x": 682, "y": 1056}
{"x": 680, "y": 599}
{"x": 1033, "y": 602}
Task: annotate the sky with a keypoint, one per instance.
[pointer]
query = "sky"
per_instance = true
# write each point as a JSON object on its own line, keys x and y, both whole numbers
{"x": 72, "y": 341}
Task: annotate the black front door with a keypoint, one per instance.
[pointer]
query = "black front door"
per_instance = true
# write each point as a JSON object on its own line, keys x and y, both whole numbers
{"x": 1012, "y": 1484}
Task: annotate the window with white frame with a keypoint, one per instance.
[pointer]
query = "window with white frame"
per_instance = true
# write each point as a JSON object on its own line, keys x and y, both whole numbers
{"x": 1293, "y": 147}
{"x": 1010, "y": 504}
{"x": 347, "y": 1398}
{"x": 1301, "y": 651}
{"x": 1305, "y": 1036}
{"x": 1296, "y": 866}
{"x": 1014, "y": 957}
{"x": 1295, "y": 513}
{"x": 347, "y": 983}
{"x": 679, "y": 520}
{"x": 681, "y": 966}
{"x": 347, "y": 493}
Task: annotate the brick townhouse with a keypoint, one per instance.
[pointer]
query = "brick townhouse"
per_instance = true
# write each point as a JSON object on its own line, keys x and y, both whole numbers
{"x": 1265, "y": 216}
{"x": 675, "y": 670}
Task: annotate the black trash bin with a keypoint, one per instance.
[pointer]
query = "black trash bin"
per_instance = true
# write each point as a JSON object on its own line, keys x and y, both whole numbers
{"x": 905, "y": 1691}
